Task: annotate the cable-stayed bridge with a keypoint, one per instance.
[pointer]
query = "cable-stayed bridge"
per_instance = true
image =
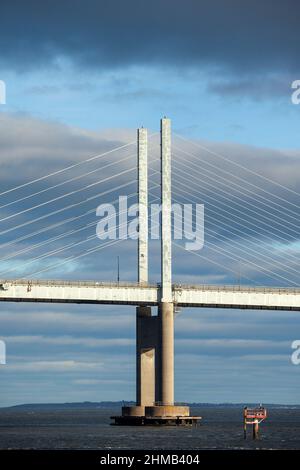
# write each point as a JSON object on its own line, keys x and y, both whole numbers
{"x": 155, "y": 333}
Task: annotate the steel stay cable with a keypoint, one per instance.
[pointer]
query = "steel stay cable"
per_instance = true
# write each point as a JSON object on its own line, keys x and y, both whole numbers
{"x": 244, "y": 168}
{"x": 76, "y": 257}
{"x": 74, "y": 165}
{"x": 238, "y": 204}
{"x": 58, "y": 237}
{"x": 246, "y": 260}
{"x": 196, "y": 170}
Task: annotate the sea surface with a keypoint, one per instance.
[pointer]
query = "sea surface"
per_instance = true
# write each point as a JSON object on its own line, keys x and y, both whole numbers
{"x": 221, "y": 428}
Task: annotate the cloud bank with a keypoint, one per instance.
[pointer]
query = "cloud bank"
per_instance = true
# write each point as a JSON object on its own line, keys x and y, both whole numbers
{"x": 244, "y": 37}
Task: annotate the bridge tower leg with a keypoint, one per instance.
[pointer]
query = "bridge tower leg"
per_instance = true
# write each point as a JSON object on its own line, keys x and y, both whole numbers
{"x": 146, "y": 324}
{"x": 166, "y": 330}
{"x": 146, "y": 357}
{"x": 142, "y": 157}
{"x": 165, "y": 410}
{"x": 166, "y": 310}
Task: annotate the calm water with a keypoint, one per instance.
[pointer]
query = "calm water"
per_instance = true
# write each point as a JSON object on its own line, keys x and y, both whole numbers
{"x": 90, "y": 429}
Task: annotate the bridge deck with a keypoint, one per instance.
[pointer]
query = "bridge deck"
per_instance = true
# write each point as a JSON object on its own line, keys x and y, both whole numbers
{"x": 134, "y": 294}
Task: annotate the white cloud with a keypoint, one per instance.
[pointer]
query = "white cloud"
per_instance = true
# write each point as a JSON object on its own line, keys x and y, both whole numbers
{"x": 99, "y": 381}
{"x": 54, "y": 366}
{"x": 69, "y": 340}
{"x": 48, "y": 320}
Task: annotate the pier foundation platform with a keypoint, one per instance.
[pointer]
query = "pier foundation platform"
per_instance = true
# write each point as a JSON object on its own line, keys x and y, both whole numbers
{"x": 158, "y": 415}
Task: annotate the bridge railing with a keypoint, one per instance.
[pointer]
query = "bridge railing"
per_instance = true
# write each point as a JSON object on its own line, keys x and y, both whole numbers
{"x": 176, "y": 287}
{"x": 234, "y": 288}
{"x": 62, "y": 283}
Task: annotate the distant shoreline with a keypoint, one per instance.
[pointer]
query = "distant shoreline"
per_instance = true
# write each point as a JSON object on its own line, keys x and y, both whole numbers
{"x": 118, "y": 404}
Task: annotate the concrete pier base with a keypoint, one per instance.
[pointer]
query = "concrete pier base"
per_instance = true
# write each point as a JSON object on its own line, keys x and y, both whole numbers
{"x": 167, "y": 411}
{"x": 155, "y": 421}
{"x": 157, "y": 415}
{"x": 133, "y": 411}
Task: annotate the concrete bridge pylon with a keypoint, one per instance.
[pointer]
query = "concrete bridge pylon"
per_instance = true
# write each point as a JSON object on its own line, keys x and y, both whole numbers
{"x": 155, "y": 333}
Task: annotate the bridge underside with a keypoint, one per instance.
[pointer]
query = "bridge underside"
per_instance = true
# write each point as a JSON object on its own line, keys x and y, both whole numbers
{"x": 261, "y": 298}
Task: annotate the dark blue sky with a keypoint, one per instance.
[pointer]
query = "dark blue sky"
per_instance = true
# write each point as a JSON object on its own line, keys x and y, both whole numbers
{"x": 80, "y": 78}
